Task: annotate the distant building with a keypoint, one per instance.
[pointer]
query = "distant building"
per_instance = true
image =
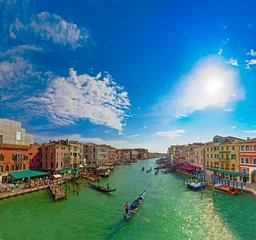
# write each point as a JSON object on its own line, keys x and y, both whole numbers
{"x": 75, "y": 153}
{"x": 134, "y": 155}
{"x": 112, "y": 155}
{"x": 95, "y": 154}
{"x": 11, "y": 132}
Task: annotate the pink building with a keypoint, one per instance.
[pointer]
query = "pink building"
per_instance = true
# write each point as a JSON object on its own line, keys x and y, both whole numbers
{"x": 55, "y": 156}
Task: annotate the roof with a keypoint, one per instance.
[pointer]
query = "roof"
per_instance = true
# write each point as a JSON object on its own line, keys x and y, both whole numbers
{"x": 16, "y": 146}
{"x": 27, "y": 174}
{"x": 253, "y": 140}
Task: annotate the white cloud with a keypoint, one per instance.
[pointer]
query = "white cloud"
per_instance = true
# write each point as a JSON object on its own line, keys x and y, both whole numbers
{"x": 233, "y": 62}
{"x": 133, "y": 136}
{"x": 171, "y": 134}
{"x": 233, "y": 127}
{"x": 15, "y": 71}
{"x": 220, "y": 51}
{"x": 19, "y": 50}
{"x": 67, "y": 100}
{"x": 224, "y": 41}
{"x": 53, "y": 28}
{"x": 249, "y": 131}
{"x": 228, "y": 109}
{"x": 211, "y": 83}
{"x": 251, "y": 53}
{"x": 145, "y": 127}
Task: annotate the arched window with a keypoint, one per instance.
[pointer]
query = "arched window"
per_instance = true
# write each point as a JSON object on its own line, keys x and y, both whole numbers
{"x": 57, "y": 164}
{"x": 1, "y": 157}
{"x": 17, "y": 167}
{"x": 24, "y": 166}
{"x": 12, "y": 168}
{"x": 1, "y": 168}
{"x": 7, "y": 168}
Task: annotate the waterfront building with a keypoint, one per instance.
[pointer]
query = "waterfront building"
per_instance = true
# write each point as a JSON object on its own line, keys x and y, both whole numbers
{"x": 34, "y": 156}
{"x": 134, "y": 154}
{"x": 248, "y": 159}
{"x": 125, "y": 154}
{"x": 142, "y": 153}
{"x": 112, "y": 155}
{"x": 11, "y": 132}
{"x": 13, "y": 157}
{"x": 55, "y": 156}
{"x": 208, "y": 154}
{"x": 199, "y": 156}
{"x": 95, "y": 154}
{"x": 190, "y": 153}
{"x": 76, "y": 157}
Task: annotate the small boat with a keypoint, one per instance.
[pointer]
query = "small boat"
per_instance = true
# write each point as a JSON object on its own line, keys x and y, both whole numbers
{"x": 196, "y": 186}
{"x": 157, "y": 171}
{"x": 149, "y": 170}
{"x": 101, "y": 188}
{"x": 135, "y": 206}
{"x": 224, "y": 189}
{"x": 142, "y": 169}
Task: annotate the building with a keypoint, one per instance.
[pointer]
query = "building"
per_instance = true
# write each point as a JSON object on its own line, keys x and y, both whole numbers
{"x": 112, "y": 155}
{"x": 190, "y": 153}
{"x": 142, "y": 153}
{"x": 13, "y": 158}
{"x": 34, "y": 156}
{"x": 55, "y": 156}
{"x": 248, "y": 159}
{"x": 126, "y": 154}
{"x": 11, "y": 132}
{"x": 199, "y": 156}
{"x": 95, "y": 154}
{"x": 134, "y": 155}
{"x": 76, "y": 157}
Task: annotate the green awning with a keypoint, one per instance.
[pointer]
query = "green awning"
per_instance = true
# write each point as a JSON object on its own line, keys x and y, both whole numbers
{"x": 65, "y": 170}
{"x": 228, "y": 173}
{"x": 27, "y": 174}
{"x": 76, "y": 168}
{"x": 212, "y": 169}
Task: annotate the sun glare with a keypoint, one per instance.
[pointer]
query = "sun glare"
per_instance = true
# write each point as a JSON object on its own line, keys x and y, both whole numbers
{"x": 213, "y": 86}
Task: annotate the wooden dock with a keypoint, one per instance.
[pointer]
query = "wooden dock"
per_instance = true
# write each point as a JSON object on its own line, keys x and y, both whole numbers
{"x": 22, "y": 192}
{"x": 58, "y": 194}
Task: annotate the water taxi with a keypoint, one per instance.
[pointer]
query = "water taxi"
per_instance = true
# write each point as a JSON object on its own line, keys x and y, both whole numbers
{"x": 196, "y": 186}
{"x": 224, "y": 189}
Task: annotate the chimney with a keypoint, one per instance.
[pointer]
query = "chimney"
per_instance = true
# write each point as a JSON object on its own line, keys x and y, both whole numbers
{"x": 248, "y": 138}
{"x": 50, "y": 141}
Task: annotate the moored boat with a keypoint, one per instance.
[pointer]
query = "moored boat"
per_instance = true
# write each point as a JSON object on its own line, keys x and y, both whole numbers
{"x": 135, "y": 206}
{"x": 196, "y": 186}
{"x": 224, "y": 189}
{"x": 149, "y": 170}
{"x": 101, "y": 188}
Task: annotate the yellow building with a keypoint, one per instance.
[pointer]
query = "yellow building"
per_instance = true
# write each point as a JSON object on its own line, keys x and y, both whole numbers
{"x": 199, "y": 156}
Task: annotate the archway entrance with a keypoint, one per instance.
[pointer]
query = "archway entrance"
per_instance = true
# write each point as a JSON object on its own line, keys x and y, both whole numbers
{"x": 253, "y": 176}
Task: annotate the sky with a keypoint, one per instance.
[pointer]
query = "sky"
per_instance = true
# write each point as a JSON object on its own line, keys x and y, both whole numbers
{"x": 129, "y": 73}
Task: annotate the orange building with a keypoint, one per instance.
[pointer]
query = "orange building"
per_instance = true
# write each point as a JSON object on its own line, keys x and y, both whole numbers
{"x": 13, "y": 158}
{"x": 34, "y": 156}
{"x": 112, "y": 155}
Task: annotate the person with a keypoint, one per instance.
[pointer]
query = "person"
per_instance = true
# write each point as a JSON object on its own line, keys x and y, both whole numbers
{"x": 126, "y": 207}
{"x": 108, "y": 186}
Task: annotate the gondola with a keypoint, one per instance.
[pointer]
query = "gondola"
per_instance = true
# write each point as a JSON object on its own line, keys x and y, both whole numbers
{"x": 142, "y": 169}
{"x": 135, "y": 206}
{"x": 157, "y": 171}
{"x": 101, "y": 188}
{"x": 149, "y": 170}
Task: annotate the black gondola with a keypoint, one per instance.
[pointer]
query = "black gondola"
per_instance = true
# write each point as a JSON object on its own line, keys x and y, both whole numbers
{"x": 149, "y": 170}
{"x": 101, "y": 188}
{"x": 142, "y": 169}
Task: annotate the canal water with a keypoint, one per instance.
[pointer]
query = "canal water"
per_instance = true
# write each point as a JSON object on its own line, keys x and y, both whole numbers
{"x": 170, "y": 211}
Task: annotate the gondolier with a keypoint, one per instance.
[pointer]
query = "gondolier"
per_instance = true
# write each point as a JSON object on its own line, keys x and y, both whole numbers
{"x": 127, "y": 207}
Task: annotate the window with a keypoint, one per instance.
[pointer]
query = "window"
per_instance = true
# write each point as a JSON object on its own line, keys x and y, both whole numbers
{"x": 24, "y": 167}
{"x": 51, "y": 164}
{"x": 227, "y": 156}
{"x": 222, "y": 156}
{"x": 242, "y": 160}
{"x": 57, "y": 165}
{"x": 30, "y": 154}
{"x": 242, "y": 148}
{"x": 233, "y": 148}
{"x": 57, "y": 155}
{"x": 233, "y": 166}
{"x": 244, "y": 170}
{"x": 247, "y": 160}
{"x": 222, "y": 148}
{"x": 46, "y": 165}
{"x": 46, "y": 156}
{"x": 226, "y": 166}
{"x": 254, "y": 161}
{"x": 247, "y": 148}
{"x": 1, "y": 168}
{"x": 7, "y": 168}
{"x": 227, "y": 148}
{"x": 233, "y": 156}
{"x": 214, "y": 148}
{"x": 211, "y": 155}
{"x": 254, "y": 148}
{"x": 61, "y": 164}
{"x": 1, "y": 157}
{"x": 51, "y": 155}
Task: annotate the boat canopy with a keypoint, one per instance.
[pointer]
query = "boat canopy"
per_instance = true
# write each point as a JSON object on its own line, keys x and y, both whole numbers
{"x": 27, "y": 174}
{"x": 57, "y": 176}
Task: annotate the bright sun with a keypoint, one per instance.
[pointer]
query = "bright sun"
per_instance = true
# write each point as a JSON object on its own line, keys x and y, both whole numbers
{"x": 213, "y": 86}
